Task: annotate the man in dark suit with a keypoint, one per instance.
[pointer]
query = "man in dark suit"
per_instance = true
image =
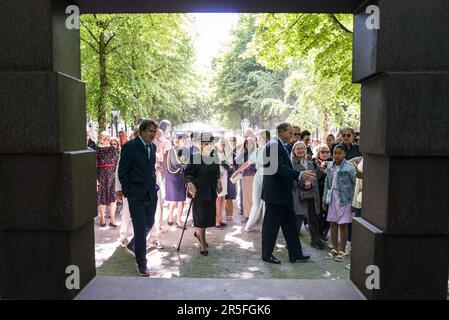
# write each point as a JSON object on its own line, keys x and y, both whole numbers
{"x": 277, "y": 190}
{"x": 295, "y": 138}
{"x": 137, "y": 174}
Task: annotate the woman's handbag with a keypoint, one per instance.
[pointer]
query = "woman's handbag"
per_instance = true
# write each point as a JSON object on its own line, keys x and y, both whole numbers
{"x": 236, "y": 178}
{"x": 306, "y": 192}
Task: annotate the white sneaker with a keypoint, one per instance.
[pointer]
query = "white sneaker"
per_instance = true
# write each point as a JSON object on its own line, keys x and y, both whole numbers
{"x": 158, "y": 244}
{"x": 124, "y": 243}
{"x": 348, "y": 249}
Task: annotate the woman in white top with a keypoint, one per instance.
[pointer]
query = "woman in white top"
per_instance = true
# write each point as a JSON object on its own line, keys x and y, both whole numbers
{"x": 220, "y": 149}
{"x": 256, "y": 158}
{"x": 126, "y": 226}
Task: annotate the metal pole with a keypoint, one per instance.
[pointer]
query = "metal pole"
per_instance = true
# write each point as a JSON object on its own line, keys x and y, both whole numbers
{"x": 185, "y": 224}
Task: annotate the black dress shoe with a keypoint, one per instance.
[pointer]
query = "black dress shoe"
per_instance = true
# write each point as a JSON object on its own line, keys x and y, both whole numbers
{"x": 319, "y": 245}
{"x": 196, "y": 236}
{"x": 130, "y": 251}
{"x": 301, "y": 257}
{"x": 272, "y": 259}
{"x": 143, "y": 272}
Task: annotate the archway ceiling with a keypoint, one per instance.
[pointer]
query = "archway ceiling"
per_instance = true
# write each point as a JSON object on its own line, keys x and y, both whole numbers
{"x": 252, "y": 6}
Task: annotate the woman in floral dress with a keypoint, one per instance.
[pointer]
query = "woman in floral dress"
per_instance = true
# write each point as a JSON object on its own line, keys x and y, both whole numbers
{"x": 107, "y": 157}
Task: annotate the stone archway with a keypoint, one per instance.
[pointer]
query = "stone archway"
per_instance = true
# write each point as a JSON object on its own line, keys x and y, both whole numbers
{"x": 48, "y": 186}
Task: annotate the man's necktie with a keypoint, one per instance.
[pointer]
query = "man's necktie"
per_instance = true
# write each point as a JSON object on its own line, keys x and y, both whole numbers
{"x": 149, "y": 150}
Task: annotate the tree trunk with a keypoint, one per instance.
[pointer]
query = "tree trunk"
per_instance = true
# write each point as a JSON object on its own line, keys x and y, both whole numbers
{"x": 326, "y": 122}
{"x": 102, "y": 108}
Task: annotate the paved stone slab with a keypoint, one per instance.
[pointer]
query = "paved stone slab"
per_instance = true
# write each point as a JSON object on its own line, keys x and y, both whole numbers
{"x": 48, "y": 107}
{"x": 35, "y": 38}
{"x": 410, "y": 38}
{"x": 410, "y": 267}
{"x": 393, "y": 199}
{"x": 233, "y": 253}
{"x": 59, "y": 193}
{"x": 37, "y": 261}
{"x": 405, "y": 114}
{"x": 112, "y": 288}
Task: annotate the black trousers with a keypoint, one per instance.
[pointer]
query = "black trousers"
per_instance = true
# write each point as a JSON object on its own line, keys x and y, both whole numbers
{"x": 313, "y": 219}
{"x": 324, "y": 224}
{"x": 280, "y": 216}
{"x": 358, "y": 213}
{"x": 142, "y": 216}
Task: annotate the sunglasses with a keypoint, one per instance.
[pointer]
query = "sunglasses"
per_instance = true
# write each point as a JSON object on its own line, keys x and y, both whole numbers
{"x": 296, "y": 134}
{"x": 346, "y": 135}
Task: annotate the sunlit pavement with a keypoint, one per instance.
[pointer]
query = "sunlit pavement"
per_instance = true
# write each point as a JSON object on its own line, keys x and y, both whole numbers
{"x": 233, "y": 254}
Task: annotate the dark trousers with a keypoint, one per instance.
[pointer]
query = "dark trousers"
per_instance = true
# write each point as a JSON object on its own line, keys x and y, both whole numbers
{"x": 280, "y": 216}
{"x": 312, "y": 218}
{"x": 358, "y": 213}
{"x": 324, "y": 225}
{"x": 142, "y": 216}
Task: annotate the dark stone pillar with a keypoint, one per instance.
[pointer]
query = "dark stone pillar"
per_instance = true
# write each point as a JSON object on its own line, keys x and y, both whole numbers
{"x": 47, "y": 189}
{"x": 404, "y": 71}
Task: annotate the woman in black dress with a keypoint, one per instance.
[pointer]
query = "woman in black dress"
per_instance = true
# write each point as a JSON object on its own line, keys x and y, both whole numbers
{"x": 232, "y": 188}
{"x": 323, "y": 159}
{"x": 202, "y": 175}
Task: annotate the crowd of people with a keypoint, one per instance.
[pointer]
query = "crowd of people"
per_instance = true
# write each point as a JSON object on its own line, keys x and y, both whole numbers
{"x": 313, "y": 184}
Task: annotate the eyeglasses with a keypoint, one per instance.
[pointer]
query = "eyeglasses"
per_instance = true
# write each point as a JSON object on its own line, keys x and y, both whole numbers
{"x": 346, "y": 135}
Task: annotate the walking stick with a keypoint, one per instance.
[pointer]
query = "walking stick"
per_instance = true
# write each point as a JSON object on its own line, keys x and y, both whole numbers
{"x": 185, "y": 224}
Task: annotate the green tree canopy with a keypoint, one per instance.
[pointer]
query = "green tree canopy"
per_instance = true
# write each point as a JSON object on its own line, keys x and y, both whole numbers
{"x": 317, "y": 51}
{"x": 141, "y": 65}
{"x": 243, "y": 88}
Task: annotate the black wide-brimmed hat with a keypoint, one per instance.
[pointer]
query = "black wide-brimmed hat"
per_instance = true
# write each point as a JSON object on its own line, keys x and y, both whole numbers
{"x": 207, "y": 137}
{"x": 180, "y": 135}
